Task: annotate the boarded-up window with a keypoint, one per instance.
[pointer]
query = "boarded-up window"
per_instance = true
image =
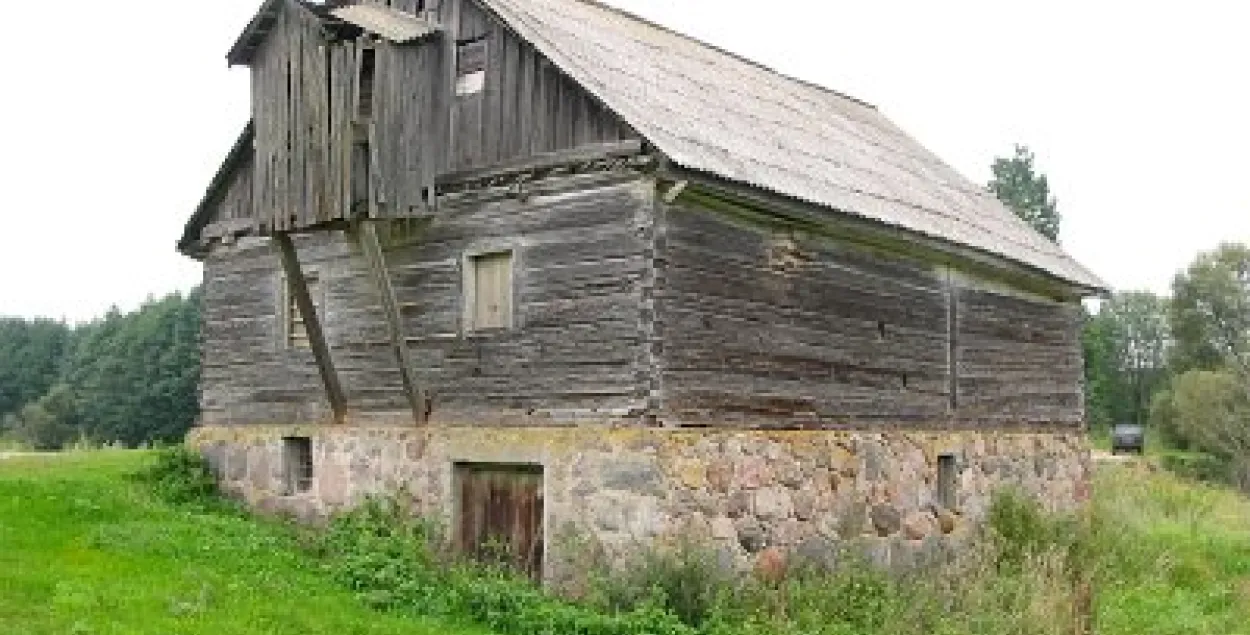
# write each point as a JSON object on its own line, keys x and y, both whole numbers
{"x": 296, "y": 331}
{"x": 489, "y": 301}
{"x": 470, "y": 67}
{"x": 297, "y": 464}
{"x": 500, "y": 515}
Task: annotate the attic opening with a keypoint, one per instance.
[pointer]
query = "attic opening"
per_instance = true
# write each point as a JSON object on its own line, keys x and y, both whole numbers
{"x": 366, "y": 82}
{"x": 470, "y": 66}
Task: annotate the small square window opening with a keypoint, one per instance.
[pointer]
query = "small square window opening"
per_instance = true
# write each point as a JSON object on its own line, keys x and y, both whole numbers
{"x": 488, "y": 300}
{"x": 297, "y": 464}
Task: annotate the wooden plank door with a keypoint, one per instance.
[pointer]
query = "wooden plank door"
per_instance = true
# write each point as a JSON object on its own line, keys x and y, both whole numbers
{"x": 500, "y": 517}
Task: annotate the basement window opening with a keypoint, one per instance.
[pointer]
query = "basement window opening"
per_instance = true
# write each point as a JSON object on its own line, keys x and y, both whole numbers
{"x": 297, "y": 461}
{"x": 499, "y": 515}
{"x": 947, "y": 472}
{"x": 488, "y": 291}
{"x": 470, "y": 67}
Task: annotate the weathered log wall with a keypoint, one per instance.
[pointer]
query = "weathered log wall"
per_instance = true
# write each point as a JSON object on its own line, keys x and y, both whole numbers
{"x": 773, "y": 327}
{"x": 573, "y": 354}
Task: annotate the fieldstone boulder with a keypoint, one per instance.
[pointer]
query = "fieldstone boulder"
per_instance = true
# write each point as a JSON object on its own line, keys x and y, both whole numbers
{"x": 886, "y": 519}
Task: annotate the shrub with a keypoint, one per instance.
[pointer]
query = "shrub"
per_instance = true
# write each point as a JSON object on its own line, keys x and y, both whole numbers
{"x": 394, "y": 560}
{"x": 683, "y": 579}
{"x": 181, "y": 476}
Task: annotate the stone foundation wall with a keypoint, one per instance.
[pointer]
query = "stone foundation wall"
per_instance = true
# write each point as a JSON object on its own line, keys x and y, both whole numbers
{"x": 749, "y": 493}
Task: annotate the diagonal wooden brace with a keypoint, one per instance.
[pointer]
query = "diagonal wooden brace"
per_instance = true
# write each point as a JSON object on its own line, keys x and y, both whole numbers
{"x": 312, "y": 324}
{"x": 372, "y": 248}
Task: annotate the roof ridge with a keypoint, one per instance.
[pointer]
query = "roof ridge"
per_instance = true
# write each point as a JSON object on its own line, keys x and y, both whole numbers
{"x": 741, "y": 58}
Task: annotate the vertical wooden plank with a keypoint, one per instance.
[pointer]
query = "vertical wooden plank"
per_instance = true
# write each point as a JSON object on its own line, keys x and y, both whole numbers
{"x": 492, "y": 105}
{"x": 952, "y": 341}
{"x": 525, "y": 118}
{"x": 312, "y": 325}
{"x": 372, "y": 249}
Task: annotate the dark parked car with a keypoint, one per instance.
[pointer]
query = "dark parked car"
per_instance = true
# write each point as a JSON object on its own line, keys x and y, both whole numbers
{"x": 1127, "y": 438}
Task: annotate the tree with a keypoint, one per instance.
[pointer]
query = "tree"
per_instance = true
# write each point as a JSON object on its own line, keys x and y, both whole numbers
{"x": 49, "y": 423}
{"x": 1140, "y": 347}
{"x": 31, "y": 352}
{"x": 1211, "y": 311}
{"x": 1018, "y": 185}
{"x": 1211, "y": 409}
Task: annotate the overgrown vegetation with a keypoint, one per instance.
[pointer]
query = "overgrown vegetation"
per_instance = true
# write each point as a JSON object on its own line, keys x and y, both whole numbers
{"x": 85, "y": 549}
{"x": 181, "y": 476}
{"x": 127, "y": 378}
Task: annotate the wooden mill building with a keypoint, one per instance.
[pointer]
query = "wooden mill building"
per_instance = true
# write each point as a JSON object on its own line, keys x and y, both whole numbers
{"x": 552, "y": 268}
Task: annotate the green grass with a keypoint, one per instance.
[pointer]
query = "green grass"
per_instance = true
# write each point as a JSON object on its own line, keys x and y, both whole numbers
{"x": 1175, "y": 554}
{"x": 84, "y": 550}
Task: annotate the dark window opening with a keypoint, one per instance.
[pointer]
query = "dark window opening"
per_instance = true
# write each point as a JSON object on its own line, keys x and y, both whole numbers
{"x": 368, "y": 66}
{"x": 499, "y": 511}
{"x": 297, "y": 462}
{"x": 946, "y": 481}
{"x": 881, "y": 330}
{"x": 470, "y": 67}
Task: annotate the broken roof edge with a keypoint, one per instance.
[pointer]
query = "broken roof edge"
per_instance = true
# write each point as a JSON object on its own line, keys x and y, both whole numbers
{"x": 871, "y": 231}
{"x": 199, "y": 219}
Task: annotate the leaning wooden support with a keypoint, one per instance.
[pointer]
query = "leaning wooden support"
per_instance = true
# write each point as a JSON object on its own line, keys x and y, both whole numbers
{"x": 312, "y": 325}
{"x": 372, "y": 248}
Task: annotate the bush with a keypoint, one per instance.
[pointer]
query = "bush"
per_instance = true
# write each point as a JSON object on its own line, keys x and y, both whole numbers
{"x": 181, "y": 476}
{"x": 394, "y": 560}
{"x": 684, "y": 580}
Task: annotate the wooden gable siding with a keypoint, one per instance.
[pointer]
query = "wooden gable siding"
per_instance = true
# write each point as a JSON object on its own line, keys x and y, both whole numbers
{"x": 231, "y": 207}
{"x": 766, "y": 328}
{"x": 573, "y": 354}
{"x": 303, "y": 101}
{"x": 527, "y": 107}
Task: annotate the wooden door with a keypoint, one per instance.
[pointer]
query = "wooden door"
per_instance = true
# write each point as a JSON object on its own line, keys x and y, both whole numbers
{"x": 500, "y": 515}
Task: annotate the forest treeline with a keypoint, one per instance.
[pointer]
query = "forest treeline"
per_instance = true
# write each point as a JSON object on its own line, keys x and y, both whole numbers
{"x": 1179, "y": 364}
{"x": 126, "y": 378}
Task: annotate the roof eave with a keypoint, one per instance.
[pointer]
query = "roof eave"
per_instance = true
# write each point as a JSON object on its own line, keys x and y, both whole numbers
{"x": 858, "y": 228}
{"x": 249, "y": 40}
{"x": 199, "y": 219}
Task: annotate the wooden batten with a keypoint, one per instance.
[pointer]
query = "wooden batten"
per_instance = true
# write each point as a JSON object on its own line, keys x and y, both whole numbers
{"x": 371, "y": 246}
{"x": 312, "y": 325}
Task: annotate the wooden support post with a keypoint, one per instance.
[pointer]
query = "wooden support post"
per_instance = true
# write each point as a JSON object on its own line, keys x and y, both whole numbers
{"x": 372, "y": 248}
{"x": 312, "y": 324}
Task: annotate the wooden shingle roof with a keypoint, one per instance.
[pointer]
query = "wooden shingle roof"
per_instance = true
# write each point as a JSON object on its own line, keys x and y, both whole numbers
{"x": 713, "y": 112}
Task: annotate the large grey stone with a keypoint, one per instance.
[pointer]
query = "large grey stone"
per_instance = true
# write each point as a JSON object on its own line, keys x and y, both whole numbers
{"x": 773, "y": 503}
{"x": 751, "y": 535}
{"x": 886, "y": 519}
{"x": 642, "y": 477}
{"x": 819, "y": 552}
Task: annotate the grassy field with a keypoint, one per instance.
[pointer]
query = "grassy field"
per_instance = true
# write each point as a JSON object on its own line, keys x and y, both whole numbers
{"x": 84, "y": 551}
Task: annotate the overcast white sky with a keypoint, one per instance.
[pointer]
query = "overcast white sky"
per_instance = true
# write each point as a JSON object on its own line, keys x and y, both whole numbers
{"x": 117, "y": 114}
